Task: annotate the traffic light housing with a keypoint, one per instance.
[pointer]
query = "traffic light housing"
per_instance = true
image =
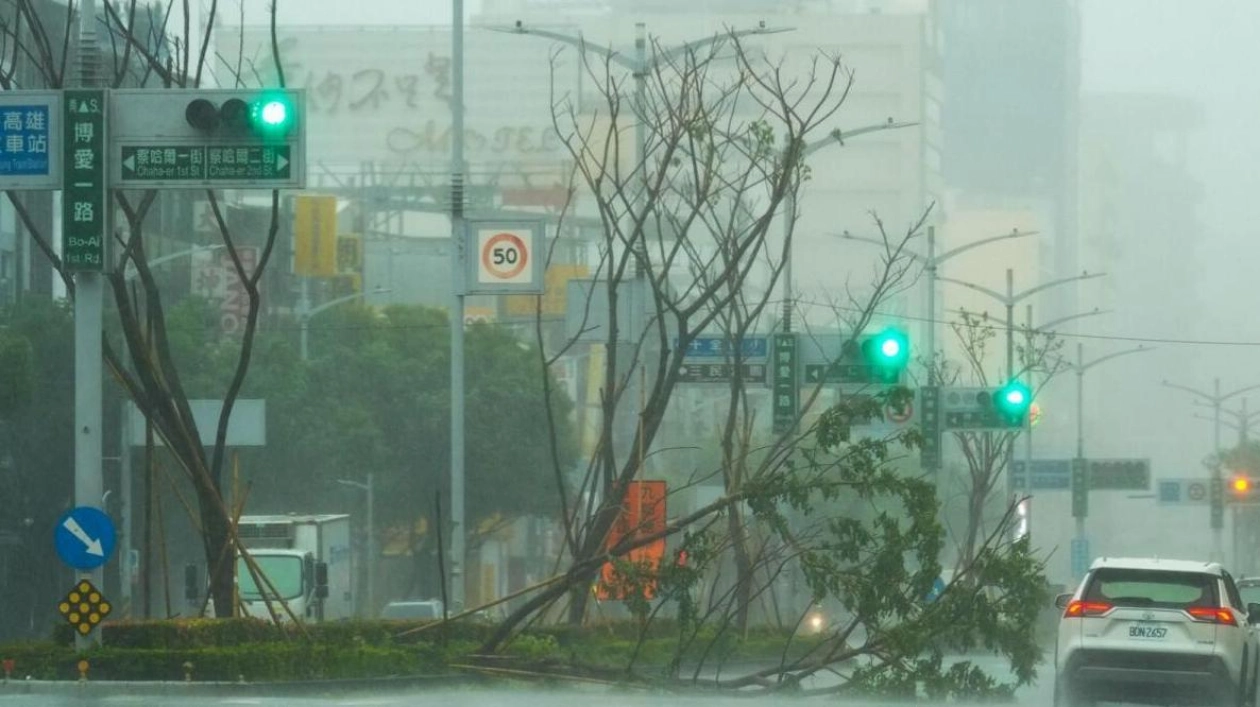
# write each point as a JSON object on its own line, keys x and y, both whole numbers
{"x": 1012, "y": 402}
{"x": 886, "y": 354}
{"x": 269, "y": 116}
{"x": 1242, "y": 488}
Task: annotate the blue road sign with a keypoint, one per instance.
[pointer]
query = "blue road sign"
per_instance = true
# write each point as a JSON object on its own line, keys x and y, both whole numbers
{"x": 1170, "y": 492}
{"x": 938, "y": 588}
{"x": 1047, "y": 475}
{"x": 754, "y": 347}
{"x": 1080, "y": 556}
{"x": 84, "y": 537}
{"x": 24, "y": 140}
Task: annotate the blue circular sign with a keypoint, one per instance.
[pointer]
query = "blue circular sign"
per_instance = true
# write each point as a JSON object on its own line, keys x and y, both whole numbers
{"x": 85, "y": 537}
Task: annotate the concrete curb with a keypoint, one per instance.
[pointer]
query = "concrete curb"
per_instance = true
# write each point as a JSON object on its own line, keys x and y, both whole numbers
{"x": 131, "y": 688}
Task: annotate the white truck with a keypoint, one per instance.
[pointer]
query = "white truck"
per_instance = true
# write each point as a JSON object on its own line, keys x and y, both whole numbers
{"x": 308, "y": 561}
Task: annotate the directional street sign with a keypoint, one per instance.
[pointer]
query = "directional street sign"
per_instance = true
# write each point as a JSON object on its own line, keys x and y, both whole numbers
{"x": 699, "y": 372}
{"x": 752, "y": 347}
{"x": 838, "y": 372}
{"x": 1119, "y": 474}
{"x": 1046, "y": 475}
{"x": 84, "y": 607}
{"x": 239, "y": 164}
{"x": 83, "y": 203}
{"x": 84, "y": 537}
{"x": 1101, "y": 474}
{"x": 30, "y": 140}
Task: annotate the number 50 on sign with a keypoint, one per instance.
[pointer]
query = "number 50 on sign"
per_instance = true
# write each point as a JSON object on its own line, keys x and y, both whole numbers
{"x": 504, "y": 257}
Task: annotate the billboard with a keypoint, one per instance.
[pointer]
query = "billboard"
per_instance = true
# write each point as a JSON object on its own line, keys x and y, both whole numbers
{"x": 214, "y": 277}
{"x": 366, "y": 106}
{"x": 642, "y": 514}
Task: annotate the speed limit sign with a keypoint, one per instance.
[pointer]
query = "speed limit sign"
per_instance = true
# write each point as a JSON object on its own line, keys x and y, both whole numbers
{"x": 504, "y": 258}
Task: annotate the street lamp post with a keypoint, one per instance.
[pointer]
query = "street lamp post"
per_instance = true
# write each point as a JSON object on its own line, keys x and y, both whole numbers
{"x": 1047, "y": 327}
{"x": 835, "y": 137}
{"x": 370, "y": 489}
{"x": 639, "y": 65}
{"x": 1215, "y": 399}
{"x": 931, "y": 263}
{"x": 1243, "y": 420}
{"x": 1012, "y": 298}
{"x": 305, "y": 312}
{"x": 1080, "y": 368}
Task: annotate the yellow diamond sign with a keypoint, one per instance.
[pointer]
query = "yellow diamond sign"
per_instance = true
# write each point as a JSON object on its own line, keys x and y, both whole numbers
{"x": 84, "y": 607}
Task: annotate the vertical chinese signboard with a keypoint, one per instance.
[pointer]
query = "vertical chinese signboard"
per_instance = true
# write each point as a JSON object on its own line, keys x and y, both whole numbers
{"x": 642, "y": 514}
{"x": 214, "y": 278}
{"x": 83, "y": 200}
{"x": 785, "y": 388}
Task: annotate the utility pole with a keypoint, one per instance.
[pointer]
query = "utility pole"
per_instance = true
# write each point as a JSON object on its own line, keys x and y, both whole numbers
{"x": 837, "y": 137}
{"x": 457, "y": 525}
{"x": 88, "y": 300}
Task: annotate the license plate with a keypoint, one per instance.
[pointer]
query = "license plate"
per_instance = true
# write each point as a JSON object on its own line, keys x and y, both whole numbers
{"x": 1147, "y": 631}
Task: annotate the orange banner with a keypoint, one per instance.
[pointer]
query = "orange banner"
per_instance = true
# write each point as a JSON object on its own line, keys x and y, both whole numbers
{"x": 642, "y": 515}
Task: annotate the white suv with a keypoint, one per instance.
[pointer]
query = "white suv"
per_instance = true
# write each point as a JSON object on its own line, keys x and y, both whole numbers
{"x": 1156, "y": 632}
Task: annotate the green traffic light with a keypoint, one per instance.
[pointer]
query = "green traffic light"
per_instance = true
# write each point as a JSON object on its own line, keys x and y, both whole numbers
{"x": 887, "y": 354}
{"x": 271, "y": 116}
{"x": 1013, "y": 401}
{"x": 892, "y": 348}
{"x": 274, "y": 113}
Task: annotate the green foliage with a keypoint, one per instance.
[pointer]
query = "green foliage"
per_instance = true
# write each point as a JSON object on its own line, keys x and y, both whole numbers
{"x": 374, "y": 397}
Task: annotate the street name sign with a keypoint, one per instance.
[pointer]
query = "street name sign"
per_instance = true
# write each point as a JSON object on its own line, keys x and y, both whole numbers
{"x": 785, "y": 390}
{"x": 751, "y": 347}
{"x": 83, "y": 198}
{"x": 704, "y": 372}
{"x": 253, "y": 164}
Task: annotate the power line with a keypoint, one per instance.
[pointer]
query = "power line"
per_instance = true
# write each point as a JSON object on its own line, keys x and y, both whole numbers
{"x": 1001, "y": 327}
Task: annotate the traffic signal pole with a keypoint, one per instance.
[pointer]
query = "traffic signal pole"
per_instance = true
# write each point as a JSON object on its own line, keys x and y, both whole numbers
{"x": 88, "y": 298}
{"x": 458, "y": 528}
{"x": 1216, "y": 399}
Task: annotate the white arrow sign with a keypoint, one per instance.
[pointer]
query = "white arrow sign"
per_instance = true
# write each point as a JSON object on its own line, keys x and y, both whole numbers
{"x": 93, "y": 546}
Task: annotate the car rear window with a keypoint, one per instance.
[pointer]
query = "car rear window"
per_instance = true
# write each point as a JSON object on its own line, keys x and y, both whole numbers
{"x": 1125, "y": 587}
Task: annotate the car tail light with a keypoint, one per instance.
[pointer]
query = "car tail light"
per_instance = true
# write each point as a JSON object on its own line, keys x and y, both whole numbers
{"x": 1077, "y": 608}
{"x": 1213, "y": 615}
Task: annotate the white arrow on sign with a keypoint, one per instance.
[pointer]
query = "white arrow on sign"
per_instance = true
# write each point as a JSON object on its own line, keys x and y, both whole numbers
{"x": 93, "y": 546}
{"x": 281, "y": 162}
{"x": 130, "y": 162}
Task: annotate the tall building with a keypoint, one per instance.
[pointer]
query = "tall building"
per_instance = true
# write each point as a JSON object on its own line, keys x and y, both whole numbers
{"x": 1012, "y": 81}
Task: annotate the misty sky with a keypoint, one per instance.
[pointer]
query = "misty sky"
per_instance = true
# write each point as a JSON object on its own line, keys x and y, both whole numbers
{"x": 1203, "y": 49}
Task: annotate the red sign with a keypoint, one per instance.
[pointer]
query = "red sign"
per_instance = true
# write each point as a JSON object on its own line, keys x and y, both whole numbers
{"x": 642, "y": 515}
{"x": 504, "y": 255}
